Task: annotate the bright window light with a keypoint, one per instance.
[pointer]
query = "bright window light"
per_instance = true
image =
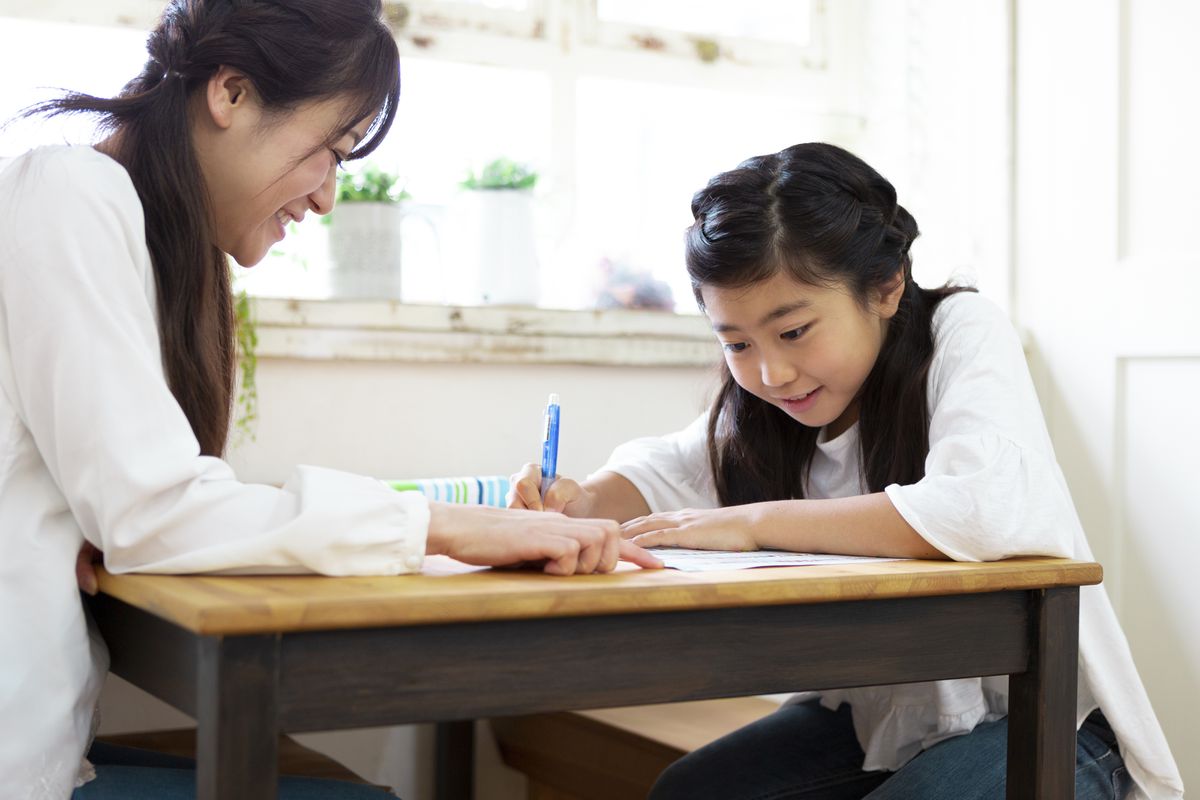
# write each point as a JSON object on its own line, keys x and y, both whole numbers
{"x": 788, "y": 22}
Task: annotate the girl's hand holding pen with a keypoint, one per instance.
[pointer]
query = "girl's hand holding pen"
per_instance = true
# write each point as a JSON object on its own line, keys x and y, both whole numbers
{"x": 699, "y": 529}
{"x": 564, "y": 495}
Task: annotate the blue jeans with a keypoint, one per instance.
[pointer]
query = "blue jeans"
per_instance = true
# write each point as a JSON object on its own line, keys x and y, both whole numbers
{"x": 807, "y": 752}
{"x": 128, "y": 773}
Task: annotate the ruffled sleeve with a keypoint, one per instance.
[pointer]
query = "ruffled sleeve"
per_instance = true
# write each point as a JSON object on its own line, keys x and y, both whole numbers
{"x": 671, "y": 472}
{"x": 992, "y": 487}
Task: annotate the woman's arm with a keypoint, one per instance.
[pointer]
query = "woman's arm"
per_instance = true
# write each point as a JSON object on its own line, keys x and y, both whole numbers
{"x": 866, "y": 525}
{"x": 500, "y": 537}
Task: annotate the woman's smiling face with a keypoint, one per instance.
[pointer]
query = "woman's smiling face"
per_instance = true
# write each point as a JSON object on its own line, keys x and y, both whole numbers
{"x": 264, "y": 170}
{"x": 805, "y": 348}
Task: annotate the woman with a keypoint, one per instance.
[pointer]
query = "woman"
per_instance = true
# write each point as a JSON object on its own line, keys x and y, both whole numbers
{"x": 117, "y": 358}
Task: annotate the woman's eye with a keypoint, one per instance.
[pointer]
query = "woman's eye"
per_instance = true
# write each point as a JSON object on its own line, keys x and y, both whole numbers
{"x": 338, "y": 158}
{"x": 793, "y": 334}
{"x": 733, "y": 347}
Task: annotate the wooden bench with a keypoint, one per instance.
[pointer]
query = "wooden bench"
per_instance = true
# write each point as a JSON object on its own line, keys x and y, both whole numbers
{"x": 614, "y": 753}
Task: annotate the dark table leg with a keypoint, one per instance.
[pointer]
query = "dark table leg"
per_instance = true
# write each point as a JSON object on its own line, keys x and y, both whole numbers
{"x": 1041, "y": 704}
{"x": 454, "y": 760}
{"x": 237, "y": 714}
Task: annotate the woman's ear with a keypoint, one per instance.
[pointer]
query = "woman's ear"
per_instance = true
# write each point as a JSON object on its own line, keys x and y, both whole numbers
{"x": 227, "y": 96}
{"x": 887, "y": 301}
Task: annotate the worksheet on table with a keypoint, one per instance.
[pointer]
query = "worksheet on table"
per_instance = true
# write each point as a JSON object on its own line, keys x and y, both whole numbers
{"x": 681, "y": 558}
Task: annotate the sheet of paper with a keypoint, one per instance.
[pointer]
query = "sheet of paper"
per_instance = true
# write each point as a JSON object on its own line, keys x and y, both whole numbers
{"x": 704, "y": 560}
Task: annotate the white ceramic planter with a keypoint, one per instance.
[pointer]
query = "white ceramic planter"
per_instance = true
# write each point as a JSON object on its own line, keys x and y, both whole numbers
{"x": 493, "y": 251}
{"x": 364, "y": 244}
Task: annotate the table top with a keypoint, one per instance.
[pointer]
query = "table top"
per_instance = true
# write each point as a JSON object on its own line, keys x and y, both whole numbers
{"x": 450, "y": 592}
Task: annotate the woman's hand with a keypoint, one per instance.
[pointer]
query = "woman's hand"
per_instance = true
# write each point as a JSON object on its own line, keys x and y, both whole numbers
{"x": 497, "y": 537}
{"x": 85, "y": 567}
{"x": 564, "y": 495}
{"x": 699, "y": 529}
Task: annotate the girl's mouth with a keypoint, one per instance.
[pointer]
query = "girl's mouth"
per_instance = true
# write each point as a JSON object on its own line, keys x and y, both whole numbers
{"x": 802, "y": 402}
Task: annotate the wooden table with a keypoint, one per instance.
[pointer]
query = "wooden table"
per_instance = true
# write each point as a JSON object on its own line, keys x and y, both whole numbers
{"x": 251, "y": 656}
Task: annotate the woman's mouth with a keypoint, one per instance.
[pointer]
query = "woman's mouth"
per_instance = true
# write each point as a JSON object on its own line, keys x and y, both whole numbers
{"x": 282, "y": 218}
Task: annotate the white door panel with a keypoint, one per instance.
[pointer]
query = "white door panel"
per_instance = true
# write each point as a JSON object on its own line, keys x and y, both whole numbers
{"x": 1107, "y": 273}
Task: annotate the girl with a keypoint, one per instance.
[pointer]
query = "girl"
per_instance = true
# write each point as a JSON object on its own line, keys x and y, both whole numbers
{"x": 117, "y": 361}
{"x": 862, "y": 414}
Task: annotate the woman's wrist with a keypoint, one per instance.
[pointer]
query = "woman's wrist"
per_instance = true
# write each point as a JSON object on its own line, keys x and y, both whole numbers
{"x": 441, "y": 522}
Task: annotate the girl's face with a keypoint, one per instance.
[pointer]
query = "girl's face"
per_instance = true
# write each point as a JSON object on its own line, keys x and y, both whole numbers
{"x": 264, "y": 171}
{"x": 806, "y": 349}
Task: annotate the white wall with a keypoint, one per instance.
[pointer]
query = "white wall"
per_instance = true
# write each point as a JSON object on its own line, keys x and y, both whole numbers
{"x": 402, "y": 420}
{"x": 935, "y": 97}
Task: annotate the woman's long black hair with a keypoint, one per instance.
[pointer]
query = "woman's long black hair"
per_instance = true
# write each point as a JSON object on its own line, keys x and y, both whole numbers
{"x": 826, "y": 218}
{"x": 293, "y": 51}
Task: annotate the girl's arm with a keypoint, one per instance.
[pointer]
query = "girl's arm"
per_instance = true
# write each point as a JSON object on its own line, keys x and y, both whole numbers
{"x": 866, "y": 525}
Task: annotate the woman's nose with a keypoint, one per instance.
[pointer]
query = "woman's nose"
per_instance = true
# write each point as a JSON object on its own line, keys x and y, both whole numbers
{"x": 322, "y": 199}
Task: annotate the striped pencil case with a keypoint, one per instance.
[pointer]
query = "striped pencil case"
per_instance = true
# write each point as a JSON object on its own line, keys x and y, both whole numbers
{"x": 486, "y": 490}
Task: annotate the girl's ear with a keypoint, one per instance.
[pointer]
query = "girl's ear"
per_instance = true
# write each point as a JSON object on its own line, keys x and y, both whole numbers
{"x": 887, "y": 302}
{"x": 227, "y": 96}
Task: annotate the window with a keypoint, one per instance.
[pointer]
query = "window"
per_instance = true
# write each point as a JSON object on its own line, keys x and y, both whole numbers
{"x": 40, "y": 58}
{"x": 625, "y": 108}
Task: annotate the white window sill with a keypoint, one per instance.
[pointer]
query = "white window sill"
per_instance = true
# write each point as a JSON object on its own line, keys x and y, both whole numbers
{"x": 383, "y": 330}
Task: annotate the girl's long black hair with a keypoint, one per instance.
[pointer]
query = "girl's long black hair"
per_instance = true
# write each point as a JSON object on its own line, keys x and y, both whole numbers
{"x": 293, "y": 51}
{"x": 827, "y": 218}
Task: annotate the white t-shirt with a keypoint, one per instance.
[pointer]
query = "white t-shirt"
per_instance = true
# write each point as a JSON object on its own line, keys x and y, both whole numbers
{"x": 992, "y": 489}
{"x": 94, "y": 446}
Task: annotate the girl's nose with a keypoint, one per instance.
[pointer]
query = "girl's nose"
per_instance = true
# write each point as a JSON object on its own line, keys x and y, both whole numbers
{"x": 777, "y": 372}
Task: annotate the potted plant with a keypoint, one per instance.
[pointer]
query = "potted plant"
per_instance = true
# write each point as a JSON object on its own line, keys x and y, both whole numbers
{"x": 364, "y": 233}
{"x": 494, "y": 220}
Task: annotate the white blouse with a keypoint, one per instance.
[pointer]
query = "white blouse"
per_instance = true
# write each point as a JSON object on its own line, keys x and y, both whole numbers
{"x": 93, "y": 446}
{"x": 992, "y": 489}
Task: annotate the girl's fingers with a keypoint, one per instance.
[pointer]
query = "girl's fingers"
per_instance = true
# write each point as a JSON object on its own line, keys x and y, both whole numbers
{"x": 560, "y": 493}
{"x": 654, "y": 522}
{"x": 529, "y": 495}
{"x": 662, "y": 538}
{"x": 526, "y": 488}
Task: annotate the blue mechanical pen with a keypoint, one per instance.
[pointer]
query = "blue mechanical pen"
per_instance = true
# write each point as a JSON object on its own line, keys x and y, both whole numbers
{"x": 550, "y": 444}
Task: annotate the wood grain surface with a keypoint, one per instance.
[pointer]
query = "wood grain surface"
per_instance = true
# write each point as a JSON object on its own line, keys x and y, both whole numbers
{"x": 229, "y": 605}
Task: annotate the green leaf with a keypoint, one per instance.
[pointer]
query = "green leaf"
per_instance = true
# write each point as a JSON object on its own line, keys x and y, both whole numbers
{"x": 370, "y": 185}
{"x": 247, "y": 344}
{"x": 503, "y": 173}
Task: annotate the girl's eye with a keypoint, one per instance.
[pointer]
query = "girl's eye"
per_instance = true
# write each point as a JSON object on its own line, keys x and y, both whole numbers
{"x": 733, "y": 347}
{"x": 338, "y": 158}
{"x": 793, "y": 334}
